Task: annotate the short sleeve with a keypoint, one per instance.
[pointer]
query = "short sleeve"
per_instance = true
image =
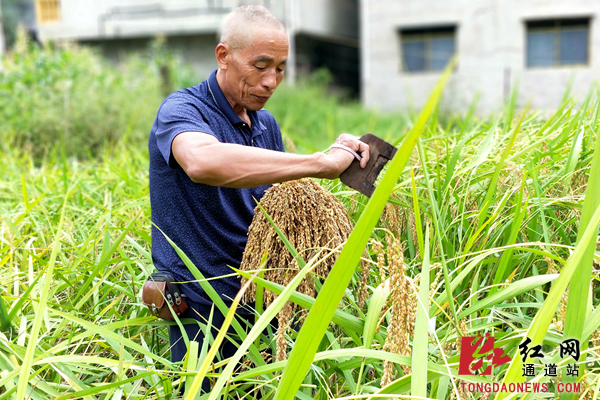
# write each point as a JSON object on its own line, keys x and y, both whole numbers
{"x": 275, "y": 132}
{"x": 177, "y": 115}
{"x": 278, "y": 138}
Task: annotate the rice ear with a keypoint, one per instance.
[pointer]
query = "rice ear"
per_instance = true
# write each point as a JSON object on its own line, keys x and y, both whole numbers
{"x": 402, "y": 310}
{"x": 311, "y": 218}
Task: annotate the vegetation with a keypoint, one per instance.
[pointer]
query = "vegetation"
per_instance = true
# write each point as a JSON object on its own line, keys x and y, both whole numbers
{"x": 312, "y": 219}
{"x": 489, "y": 221}
{"x": 69, "y": 100}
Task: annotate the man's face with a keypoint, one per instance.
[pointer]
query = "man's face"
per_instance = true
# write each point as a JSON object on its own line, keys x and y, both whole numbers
{"x": 254, "y": 72}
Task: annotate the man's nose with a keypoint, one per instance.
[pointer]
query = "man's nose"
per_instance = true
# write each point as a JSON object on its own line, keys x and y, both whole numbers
{"x": 269, "y": 81}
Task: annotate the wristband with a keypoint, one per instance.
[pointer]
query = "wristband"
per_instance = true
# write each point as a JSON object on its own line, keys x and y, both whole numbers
{"x": 348, "y": 149}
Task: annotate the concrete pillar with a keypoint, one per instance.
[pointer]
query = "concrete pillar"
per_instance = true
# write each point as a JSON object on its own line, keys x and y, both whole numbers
{"x": 365, "y": 48}
{"x": 2, "y": 43}
{"x": 292, "y": 13}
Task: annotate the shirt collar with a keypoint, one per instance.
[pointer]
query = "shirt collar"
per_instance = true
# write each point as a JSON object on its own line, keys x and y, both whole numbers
{"x": 221, "y": 100}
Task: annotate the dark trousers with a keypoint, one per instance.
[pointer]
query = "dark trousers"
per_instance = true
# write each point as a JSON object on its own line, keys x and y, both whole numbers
{"x": 201, "y": 312}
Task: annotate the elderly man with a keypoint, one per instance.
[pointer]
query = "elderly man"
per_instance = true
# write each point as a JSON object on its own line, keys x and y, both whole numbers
{"x": 213, "y": 151}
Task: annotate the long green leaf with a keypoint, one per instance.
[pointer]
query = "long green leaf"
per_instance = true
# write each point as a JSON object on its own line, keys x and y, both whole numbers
{"x": 193, "y": 390}
{"x": 320, "y": 315}
{"x": 494, "y": 181}
{"x": 344, "y": 354}
{"x": 520, "y": 211}
{"x": 538, "y": 329}
{"x": 192, "y": 356}
{"x": 417, "y": 212}
{"x": 39, "y": 315}
{"x": 573, "y": 159}
{"x": 511, "y": 291}
{"x": 109, "y": 334}
{"x": 577, "y": 303}
{"x": 101, "y": 388}
{"x": 419, "y": 353}
{"x": 376, "y": 303}
{"x": 261, "y": 324}
{"x": 340, "y": 317}
{"x": 214, "y": 296}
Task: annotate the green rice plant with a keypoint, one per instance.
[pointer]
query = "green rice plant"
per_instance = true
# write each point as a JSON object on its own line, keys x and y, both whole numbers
{"x": 578, "y": 303}
{"x": 340, "y": 275}
{"x": 419, "y": 358}
{"x": 492, "y": 220}
{"x": 193, "y": 388}
{"x": 28, "y": 359}
{"x": 580, "y": 261}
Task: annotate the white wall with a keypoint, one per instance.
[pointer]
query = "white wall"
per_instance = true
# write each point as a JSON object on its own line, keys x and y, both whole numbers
{"x": 490, "y": 41}
{"x": 91, "y": 19}
{"x": 328, "y": 17}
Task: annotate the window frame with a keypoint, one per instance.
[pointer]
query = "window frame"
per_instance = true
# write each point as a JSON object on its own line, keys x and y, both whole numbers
{"x": 426, "y": 35}
{"x": 48, "y": 11}
{"x": 556, "y": 26}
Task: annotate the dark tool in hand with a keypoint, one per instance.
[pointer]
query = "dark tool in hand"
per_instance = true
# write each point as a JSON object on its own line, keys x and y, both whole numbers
{"x": 363, "y": 179}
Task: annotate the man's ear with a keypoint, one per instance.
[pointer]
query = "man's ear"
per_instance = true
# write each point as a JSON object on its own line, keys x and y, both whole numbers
{"x": 223, "y": 55}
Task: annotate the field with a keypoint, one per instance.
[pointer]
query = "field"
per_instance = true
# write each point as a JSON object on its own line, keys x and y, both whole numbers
{"x": 480, "y": 225}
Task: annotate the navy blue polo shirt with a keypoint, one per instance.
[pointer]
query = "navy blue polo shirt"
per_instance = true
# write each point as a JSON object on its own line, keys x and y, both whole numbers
{"x": 209, "y": 223}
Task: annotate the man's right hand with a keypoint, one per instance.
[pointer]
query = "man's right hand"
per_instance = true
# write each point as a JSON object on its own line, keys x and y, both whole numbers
{"x": 338, "y": 160}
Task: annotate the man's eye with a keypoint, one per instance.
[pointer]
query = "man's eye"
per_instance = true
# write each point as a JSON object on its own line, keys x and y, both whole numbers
{"x": 259, "y": 67}
{"x": 279, "y": 69}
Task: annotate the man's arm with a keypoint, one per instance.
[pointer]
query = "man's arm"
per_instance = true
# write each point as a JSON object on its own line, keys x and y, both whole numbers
{"x": 206, "y": 160}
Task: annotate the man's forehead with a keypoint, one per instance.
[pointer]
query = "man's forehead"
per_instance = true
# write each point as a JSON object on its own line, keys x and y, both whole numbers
{"x": 269, "y": 59}
{"x": 266, "y": 45}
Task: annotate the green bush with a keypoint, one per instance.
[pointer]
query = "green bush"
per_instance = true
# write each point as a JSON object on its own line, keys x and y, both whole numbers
{"x": 69, "y": 98}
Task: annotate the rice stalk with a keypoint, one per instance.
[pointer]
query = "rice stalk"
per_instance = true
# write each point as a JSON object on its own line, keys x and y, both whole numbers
{"x": 312, "y": 218}
{"x": 402, "y": 313}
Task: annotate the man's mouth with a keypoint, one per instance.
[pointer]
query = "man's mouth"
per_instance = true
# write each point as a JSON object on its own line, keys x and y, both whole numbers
{"x": 262, "y": 99}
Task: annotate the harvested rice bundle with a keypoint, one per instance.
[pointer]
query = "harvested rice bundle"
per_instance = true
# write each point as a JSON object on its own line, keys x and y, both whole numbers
{"x": 311, "y": 218}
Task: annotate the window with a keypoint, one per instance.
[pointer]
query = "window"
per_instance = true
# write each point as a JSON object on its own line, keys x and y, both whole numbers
{"x": 47, "y": 11}
{"x": 557, "y": 42}
{"x": 427, "y": 49}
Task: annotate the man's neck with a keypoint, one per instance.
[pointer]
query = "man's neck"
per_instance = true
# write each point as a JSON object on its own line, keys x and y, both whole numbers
{"x": 238, "y": 109}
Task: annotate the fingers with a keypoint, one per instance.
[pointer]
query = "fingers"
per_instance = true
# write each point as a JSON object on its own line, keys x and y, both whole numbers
{"x": 355, "y": 144}
{"x": 363, "y": 150}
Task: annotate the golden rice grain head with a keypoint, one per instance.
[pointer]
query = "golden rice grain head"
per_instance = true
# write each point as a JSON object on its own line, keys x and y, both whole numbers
{"x": 311, "y": 218}
{"x": 377, "y": 248}
{"x": 394, "y": 218}
{"x": 595, "y": 339}
{"x": 362, "y": 290}
{"x": 284, "y": 319}
{"x": 401, "y": 311}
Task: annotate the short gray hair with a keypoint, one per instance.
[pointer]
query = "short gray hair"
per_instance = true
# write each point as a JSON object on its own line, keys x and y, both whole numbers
{"x": 237, "y": 27}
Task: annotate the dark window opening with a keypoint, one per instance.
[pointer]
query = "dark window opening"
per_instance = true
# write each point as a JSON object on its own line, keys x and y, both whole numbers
{"x": 558, "y": 42}
{"x": 341, "y": 58}
{"x": 427, "y": 49}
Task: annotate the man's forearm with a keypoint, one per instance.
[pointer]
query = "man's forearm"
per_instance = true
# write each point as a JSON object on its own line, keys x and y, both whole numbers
{"x": 237, "y": 166}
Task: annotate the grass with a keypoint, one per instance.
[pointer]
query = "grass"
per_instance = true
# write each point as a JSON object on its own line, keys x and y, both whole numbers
{"x": 497, "y": 216}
